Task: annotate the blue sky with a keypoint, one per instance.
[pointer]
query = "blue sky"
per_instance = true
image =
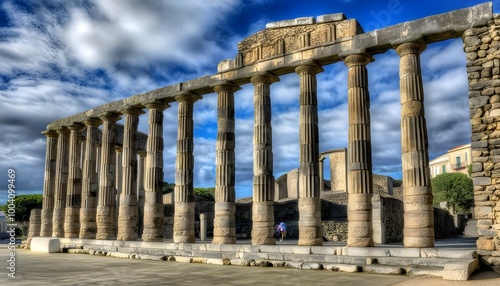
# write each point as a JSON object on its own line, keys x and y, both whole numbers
{"x": 60, "y": 57}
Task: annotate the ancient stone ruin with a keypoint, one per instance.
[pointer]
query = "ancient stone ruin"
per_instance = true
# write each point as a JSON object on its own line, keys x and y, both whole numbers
{"x": 82, "y": 203}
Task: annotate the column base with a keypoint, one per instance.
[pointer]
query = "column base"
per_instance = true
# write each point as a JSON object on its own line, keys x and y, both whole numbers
{"x": 224, "y": 223}
{"x": 310, "y": 229}
{"x": 153, "y": 221}
{"x": 72, "y": 222}
{"x": 58, "y": 223}
{"x": 127, "y": 219}
{"x": 263, "y": 223}
{"x": 88, "y": 225}
{"x": 184, "y": 222}
{"x": 105, "y": 218}
{"x": 46, "y": 226}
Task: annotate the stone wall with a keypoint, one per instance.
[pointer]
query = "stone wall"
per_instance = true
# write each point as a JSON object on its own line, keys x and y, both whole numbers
{"x": 333, "y": 217}
{"x": 483, "y": 67}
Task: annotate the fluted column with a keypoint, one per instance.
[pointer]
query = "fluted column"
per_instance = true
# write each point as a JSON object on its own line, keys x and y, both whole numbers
{"x": 359, "y": 154}
{"x": 153, "y": 204}
{"x": 310, "y": 232}
{"x": 48, "y": 183}
{"x": 90, "y": 185}
{"x": 417, "y": 191}
{"x": 263, "y": 177}
{"x": 61, "y": 182}
{"x": 74, "y": 193}
{"x": 140, "y": 191}
{"x": 225, "y": 209}
{"x": 184, "y": 198}
{"x": 128, "y": 212}
{"x": 105, "y": 216}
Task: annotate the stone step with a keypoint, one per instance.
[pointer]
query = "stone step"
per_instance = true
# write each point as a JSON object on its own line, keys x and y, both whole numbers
{"x": 439, "y": 262}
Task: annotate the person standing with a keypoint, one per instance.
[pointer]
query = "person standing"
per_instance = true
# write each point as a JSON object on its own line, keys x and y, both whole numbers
{"x": 282, "y": 230}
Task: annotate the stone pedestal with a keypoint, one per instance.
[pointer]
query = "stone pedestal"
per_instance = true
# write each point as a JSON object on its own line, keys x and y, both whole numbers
{"x": 310, "y": 232}
{"x": 224, "y": 221}
{"x": 105, "y": 213}
{"x": 263, "y": 178}
{"x": 183, "y": 194}
{"x": 359, "y": 159}
{"x": 35, "y": 222}
{"x": 417, "y": 191}
{"x": 48, "y": 183}
{"x": 74, "y": 194}
{"x": 88, "y": 226}
{"x": 128, "y": 212}
{"x": 153, "y": 204}
{"x": 61, "y": 182}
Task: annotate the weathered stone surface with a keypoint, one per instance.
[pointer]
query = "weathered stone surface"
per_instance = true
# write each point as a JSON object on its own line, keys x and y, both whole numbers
{"x": 45, "y": 244}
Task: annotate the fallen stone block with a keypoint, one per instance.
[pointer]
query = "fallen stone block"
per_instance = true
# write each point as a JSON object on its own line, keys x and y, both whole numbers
{"x": 311, "y": 266}
{"x": 45, "y": 244}
{"x": 218, "y": 261}
{"x": 119, "y": 254}
{"x": 183, "y": 259}
{"x": 379, "y": 269}
{"x": 240, "y": 262}
{"x": 341, "y": 267}
{"x": 78, "y": 251}
{"x": 460, "y": 271}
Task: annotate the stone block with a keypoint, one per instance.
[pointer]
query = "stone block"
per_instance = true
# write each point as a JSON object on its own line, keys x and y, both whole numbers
{"x": 379, "y": 269}
{"x": 293, "y": 22}
{"x": 311, "y": 266}
{"x": 485, "y": 244}
{"x": 341, "y": 267}
{"x": 459, "y": 271}
{"x": 240, "y": 262}
{"x": 330, "y": 18}
{"x": 45, "y": 244}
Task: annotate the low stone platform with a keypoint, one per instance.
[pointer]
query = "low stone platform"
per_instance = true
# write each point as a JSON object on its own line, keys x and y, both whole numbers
{"x": 450, "y": 264}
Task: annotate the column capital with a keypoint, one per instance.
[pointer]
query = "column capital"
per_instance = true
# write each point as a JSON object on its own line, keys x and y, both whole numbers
{"x": 188, "y": 97}
{"x": 266, "y": 78}
{"x": 142, "y": 153}
{"x": 357, "y": 60}
{"x": 76, "y": 127}
{"x": 132, "y": 110}
{"x": 110, "y": 116}
{"x": 92, "y": 122}
{"x": 118, "y": 149}
{"x": 50, "y": 133}
{"x": 410, "y": 48}
{"x": 312, "y": 68}
{"x": 226, "y": 87}
{"x": 156, "y": 104}
{"x": 62, "y": 130}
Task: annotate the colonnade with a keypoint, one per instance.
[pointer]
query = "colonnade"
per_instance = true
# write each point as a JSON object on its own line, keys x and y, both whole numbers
{"x": 82, "y": 201}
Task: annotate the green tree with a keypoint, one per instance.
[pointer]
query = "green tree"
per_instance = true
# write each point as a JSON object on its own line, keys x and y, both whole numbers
{"x": 23, "y": 204}
{"x": 456, "y": 189}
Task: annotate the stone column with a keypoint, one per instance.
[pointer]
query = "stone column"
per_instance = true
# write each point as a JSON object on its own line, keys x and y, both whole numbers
{"x": 35, "y": 222}
{"x": 225, "y": 209}
{"x": 48, "y": 184}
{"x": 61, "y": 182}
{"x": 105, "y": 216}
{"x": 417, "y": 191}
{"x": 359, "y": 154}
{"x": 184, "y": 199}
{"x": 90, "y": 185}
{"x": 310, "y": 232}
{"x": 263, "y": 178}
{"x": 128, "y": 216}
{"x": 118, "y": 182}
{"x": 140, "y": 192}
{"x": 153, "y": 204}
{"x": 321, "y": 165}
{"x": 74, "y": 193}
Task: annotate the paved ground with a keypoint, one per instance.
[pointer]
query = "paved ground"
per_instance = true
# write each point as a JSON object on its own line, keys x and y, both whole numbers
{"x": 84, "y": 269}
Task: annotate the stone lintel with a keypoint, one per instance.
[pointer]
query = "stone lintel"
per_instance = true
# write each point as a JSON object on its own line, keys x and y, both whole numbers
{"x": 330, "y": 18}
{"x": 292, "y": 22}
